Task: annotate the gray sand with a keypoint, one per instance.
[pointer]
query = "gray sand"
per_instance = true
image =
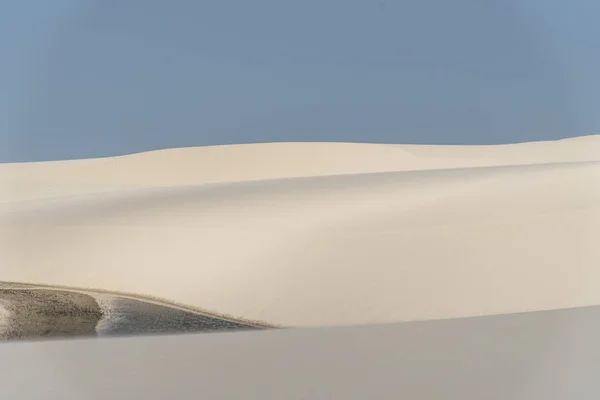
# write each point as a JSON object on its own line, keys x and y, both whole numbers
{"x": 28, "y": 312}
{"x": 134, "y": 317}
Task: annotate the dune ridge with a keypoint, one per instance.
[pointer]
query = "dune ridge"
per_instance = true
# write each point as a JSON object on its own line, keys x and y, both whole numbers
{"x": 367, "y": 234}
{"x": 231, "y": 163}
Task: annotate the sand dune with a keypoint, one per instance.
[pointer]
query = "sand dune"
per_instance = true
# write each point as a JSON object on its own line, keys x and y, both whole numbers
{"x": 317, "y": 234}
{"x": 231, "y": 163}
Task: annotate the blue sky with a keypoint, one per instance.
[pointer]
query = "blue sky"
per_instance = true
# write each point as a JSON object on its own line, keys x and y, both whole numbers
{"x": 94, "y": 78}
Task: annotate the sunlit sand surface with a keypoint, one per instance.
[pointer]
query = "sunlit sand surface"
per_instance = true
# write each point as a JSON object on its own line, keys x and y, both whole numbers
{"x": 312, "y": 234}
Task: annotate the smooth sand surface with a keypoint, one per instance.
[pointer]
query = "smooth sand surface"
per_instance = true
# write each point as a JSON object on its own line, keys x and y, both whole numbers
{"x": 233, "y": 163}
{"x": 316, "y": 233}
{"x": 546, "y": 355}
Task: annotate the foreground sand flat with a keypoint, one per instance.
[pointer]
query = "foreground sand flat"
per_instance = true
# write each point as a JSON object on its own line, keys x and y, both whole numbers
{"x": 544, "y": 355}
{"x": 303, "y": 234}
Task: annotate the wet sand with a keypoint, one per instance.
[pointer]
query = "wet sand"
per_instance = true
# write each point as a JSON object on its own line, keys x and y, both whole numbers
{"x": 33, "y": 313}
{"x": 134, "y": 317}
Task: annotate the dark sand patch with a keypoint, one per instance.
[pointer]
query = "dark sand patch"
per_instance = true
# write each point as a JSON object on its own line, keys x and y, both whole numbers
{"x": 135, "y": 317}
{"x": 32, "y": 314}
{"x": 29, "y": 312}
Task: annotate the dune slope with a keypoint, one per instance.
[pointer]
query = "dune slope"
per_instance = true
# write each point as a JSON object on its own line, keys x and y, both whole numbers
{"x": 235, "y": 163}
{"x": 384, "y": 234}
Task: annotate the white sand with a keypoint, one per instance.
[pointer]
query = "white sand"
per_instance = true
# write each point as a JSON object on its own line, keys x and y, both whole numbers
{"x": 212, "y": 164}
{"x": 419, "y": 239}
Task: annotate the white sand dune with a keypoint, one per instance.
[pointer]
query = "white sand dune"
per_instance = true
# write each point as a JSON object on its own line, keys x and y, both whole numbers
{"x": 231, "y": 163}
{"x": 316, "y": 233}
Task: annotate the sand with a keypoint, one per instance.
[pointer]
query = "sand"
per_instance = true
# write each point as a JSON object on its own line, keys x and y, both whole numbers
{"x": 235, "y": 163}
{"x": 305, "y": 234}
{"x": 30, "y": 312}
{"x": 47, "y": 313}
{"x": 546, "y": 355}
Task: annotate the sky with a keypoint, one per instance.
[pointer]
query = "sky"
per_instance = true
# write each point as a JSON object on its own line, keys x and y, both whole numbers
{"x": 93, "y": 78}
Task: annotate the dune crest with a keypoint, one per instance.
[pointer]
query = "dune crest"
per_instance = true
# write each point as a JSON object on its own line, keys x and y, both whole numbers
{"x": 245, "y": 162}
{"x": 365, "y": 234}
